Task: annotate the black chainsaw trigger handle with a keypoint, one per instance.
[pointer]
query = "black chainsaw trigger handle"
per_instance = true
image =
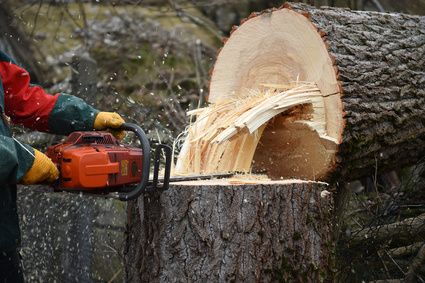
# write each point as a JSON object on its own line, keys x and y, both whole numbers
{"x": 167, "y": 169}
{"x": 141, "y": 187}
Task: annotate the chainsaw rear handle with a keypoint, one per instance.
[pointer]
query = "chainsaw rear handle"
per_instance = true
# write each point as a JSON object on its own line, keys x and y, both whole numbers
{"x": 133, "y": 194}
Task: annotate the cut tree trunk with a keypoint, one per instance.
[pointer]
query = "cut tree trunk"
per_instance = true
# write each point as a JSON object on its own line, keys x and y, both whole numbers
{"x": 217, "y": 231}
{"x": 370, "y": 70}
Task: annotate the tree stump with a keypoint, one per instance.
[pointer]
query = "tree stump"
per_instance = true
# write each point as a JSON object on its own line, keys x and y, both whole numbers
{"x": 216, "y": 231}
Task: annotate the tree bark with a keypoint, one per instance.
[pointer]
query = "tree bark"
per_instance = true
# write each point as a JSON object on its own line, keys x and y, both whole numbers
{"x": 380, "y": 67}
{"x": 218, "y": 232}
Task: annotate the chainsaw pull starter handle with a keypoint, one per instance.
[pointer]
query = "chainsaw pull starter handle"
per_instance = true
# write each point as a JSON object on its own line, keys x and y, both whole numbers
{"x": 146, "y": 148}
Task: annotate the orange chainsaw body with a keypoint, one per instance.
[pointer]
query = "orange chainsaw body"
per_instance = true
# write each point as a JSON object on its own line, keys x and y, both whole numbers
{"x": 96, "y": 160}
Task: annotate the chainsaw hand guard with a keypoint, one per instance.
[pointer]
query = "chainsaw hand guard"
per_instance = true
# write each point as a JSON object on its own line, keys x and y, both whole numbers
{"x": 145, "y": 185}
{"x": 145, "y": 162}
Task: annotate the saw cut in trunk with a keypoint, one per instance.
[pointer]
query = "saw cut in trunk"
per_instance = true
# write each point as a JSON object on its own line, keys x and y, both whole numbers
{"x": 367, "y": 112}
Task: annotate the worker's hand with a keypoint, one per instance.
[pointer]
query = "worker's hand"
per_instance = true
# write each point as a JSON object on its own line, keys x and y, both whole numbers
{"x": 111, "y": 121}
{"x": 43, "y": 170}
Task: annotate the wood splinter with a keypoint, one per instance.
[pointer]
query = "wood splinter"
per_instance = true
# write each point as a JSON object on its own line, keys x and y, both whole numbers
{"x": 226, "y": 134}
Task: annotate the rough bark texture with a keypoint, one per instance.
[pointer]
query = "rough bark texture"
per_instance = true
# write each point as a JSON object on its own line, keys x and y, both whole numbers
{"x": 242, "y": 233}
{"x": 380, "y": 64}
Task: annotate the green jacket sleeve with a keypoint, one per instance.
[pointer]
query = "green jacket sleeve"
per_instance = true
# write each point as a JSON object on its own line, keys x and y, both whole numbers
{"x": 15, "y": 160}
{"x": 71, "y": 114}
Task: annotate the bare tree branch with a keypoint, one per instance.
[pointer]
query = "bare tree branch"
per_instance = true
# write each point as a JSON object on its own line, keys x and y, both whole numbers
{"x": 181, "y": 13}
{"x": 406, "y": 250}
{"x": 36, "y": 18}
{"x": 405, "y": 228}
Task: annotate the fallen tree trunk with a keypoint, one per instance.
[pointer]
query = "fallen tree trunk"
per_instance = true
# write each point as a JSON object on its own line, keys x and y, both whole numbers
{"x": 406, "y": 250}
{"x": 369, "y": 69}
{"x": 409, "y": 228}
{"x": 217, "y": 231}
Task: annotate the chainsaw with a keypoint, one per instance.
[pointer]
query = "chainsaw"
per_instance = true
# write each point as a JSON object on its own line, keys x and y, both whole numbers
{"x": 96, "y": 163}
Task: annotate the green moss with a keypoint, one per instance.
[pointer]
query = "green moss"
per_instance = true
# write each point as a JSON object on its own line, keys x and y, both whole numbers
{"x": 54, "y": 25}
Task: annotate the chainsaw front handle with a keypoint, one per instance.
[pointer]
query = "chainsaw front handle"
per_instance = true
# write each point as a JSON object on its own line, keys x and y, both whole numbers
{"x": 146, "y": 148}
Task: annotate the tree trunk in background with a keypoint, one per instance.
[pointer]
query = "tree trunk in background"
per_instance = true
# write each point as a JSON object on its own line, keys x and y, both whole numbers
{"x": 84, "y": 77}
{"x": 70, "y": 237}
{"x": 203, "y": 231}
{"x": 18, "y": 45}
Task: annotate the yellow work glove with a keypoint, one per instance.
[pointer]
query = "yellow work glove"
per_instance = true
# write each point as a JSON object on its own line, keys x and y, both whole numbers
{"x": 43, "y": 170}
{"x": 110, "y": 121}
